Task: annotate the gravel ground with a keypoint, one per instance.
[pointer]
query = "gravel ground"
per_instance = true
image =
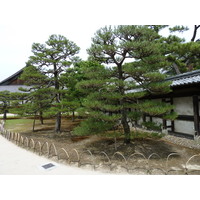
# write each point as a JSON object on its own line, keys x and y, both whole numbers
{"x": 190, "y": 143}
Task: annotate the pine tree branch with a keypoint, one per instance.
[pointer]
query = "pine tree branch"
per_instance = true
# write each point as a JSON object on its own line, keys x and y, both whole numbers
{"x": 195, "y": 32}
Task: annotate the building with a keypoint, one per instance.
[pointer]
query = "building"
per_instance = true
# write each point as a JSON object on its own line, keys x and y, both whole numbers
{"x": 185, "y": 96}
{"x": 13, "y": 83}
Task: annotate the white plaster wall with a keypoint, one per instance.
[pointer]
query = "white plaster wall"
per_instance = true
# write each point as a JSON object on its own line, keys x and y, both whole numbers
{"x": 147, "y": 118}
{"x": 184, "y": 127}
{"x": 140, "y": 121}
{"x": 160, "y": 121}
{"x": 183, "y": 105}
{"x": 157, "y": 120}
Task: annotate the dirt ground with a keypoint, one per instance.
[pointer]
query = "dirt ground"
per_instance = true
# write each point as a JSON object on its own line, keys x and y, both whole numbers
{"x": 141, "y": 154}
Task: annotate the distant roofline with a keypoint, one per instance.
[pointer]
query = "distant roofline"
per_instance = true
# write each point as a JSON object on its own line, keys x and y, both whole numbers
{"x": 11, "y": 77}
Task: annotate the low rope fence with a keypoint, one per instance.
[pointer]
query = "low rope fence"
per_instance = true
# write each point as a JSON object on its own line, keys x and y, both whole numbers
{"x": 136, "y": 163}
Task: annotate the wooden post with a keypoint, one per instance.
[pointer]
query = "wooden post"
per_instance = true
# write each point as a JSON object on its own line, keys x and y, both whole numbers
{"x": 144, "y": 117}
{"x": 196, "y": 114}
{"x": 164, "y": 120}
{"x": 172, "y": 121}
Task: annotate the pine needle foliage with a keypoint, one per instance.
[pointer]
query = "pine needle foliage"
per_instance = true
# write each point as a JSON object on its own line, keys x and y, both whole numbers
{"x": 52, "y": 59}
{"x": 132, "y": 58}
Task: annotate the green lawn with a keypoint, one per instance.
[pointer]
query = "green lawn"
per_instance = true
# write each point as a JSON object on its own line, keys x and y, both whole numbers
{"x": 18, "y": 125}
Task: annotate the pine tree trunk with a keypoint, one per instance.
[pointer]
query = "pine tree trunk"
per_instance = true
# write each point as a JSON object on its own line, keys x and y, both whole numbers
{"x": 57, "y": 87}
{"x": 5, "y": 115}
{"x": 127, "y": 132}
{"x": 41, "y": 117}
{"x": 73, "y": 116}
{"x": 34, "y": 123}
{"x": 195, "y": 32}
{"x": 124, "y": 120}
{"x": 176, "y": 68}
{"x": 58, "y": 122}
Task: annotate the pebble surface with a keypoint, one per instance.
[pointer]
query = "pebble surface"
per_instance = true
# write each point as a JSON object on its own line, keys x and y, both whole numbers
{"x": 190, "y": 143}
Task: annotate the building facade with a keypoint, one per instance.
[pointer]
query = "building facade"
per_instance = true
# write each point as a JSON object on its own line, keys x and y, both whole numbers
{"x": 185, "y": 96}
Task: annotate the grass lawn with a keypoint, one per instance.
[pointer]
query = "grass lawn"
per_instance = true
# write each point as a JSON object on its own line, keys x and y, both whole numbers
{"x": 18, "y": 125}
{"x": 26, "y": 125}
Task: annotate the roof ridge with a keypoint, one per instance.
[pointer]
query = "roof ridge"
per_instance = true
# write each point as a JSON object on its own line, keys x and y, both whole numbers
{"x": 184, "y": 75}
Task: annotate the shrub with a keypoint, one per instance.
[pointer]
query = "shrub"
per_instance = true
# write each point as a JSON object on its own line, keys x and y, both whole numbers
{"x": 152, "y": 126}
{"x": 91, "y": 126}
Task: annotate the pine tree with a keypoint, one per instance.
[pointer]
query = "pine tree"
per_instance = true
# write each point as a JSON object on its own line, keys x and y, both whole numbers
{"x": 38, "y": 96}
{"x": 73, "y": 98}
{"x": 4, "y": 103}
{"x": 182, "y": 56}
{"x": 52, "y": 59}
{"x": 114, "y": 91}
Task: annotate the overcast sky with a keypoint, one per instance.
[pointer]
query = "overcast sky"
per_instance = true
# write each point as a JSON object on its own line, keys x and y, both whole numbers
{"x": 23, "y": 22}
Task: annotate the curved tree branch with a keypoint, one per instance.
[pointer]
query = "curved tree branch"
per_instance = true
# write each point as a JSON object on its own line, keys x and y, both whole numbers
{"x": 195, "y": 32}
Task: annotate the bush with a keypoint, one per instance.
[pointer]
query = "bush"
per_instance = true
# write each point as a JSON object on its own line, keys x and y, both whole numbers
{"x": 152, "y": 126}
{"x": 91, "y": 127}
{"x": 143, "y": 135}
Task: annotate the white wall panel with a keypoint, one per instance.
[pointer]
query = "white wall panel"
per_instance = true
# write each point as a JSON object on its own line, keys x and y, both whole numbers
{"x": 184, "y": 127}
{"x": 183, "y": 105}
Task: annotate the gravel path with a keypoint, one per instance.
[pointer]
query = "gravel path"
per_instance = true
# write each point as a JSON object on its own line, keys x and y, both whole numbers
{"x": 190, "y": 143}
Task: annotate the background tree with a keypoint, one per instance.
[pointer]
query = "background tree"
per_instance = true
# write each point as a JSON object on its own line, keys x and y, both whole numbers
{"x": 33, "y": 99}
{"x": 4, "y": 103}
{"x": 183, "y": 56}
{"x": 10, "y": 101}
{"x": 196, "y": 27}
{"x": 73, "y": 97}
{"x": 110, "y": 99}
{"x": 52, "y": 59}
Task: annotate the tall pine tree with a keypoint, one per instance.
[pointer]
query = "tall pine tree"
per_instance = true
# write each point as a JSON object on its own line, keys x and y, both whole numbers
{"x": 52, "y": 59}
{"x": 134, "y": 56}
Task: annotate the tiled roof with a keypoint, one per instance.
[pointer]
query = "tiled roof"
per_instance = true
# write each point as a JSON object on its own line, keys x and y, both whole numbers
{"x": 185, "y": 78}
{"x": 188, "y": 78}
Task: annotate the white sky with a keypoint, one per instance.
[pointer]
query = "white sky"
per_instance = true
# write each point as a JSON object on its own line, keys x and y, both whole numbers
{"x": 23, "y": 22}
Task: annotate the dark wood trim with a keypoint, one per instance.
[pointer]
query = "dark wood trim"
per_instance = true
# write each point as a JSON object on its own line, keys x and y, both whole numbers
{"x": 165, "y": 126}
{"x": 189, "y": 118}
{"x": 196, "y": 114}
{"x": 179, "y": 134}
{"x": 172, "y": 121}
{"x": 144, "y": 117}
{"x": 185, "y": 118}
{"x": 164, "y": 121}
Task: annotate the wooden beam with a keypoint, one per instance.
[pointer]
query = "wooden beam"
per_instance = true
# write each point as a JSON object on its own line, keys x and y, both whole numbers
{"x": 172, "y": 121}
{"x": 196, "y": 114}
{"x": 164, "y": 121}
{"x": 186, "y": 118}
{"x": 144, "y": 117}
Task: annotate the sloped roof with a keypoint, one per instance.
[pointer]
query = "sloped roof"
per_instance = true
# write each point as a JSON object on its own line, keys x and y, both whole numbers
{"x": 12, "y": 77}
{"x": 185, "y": 79}
{"x": 188, "y": 78}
